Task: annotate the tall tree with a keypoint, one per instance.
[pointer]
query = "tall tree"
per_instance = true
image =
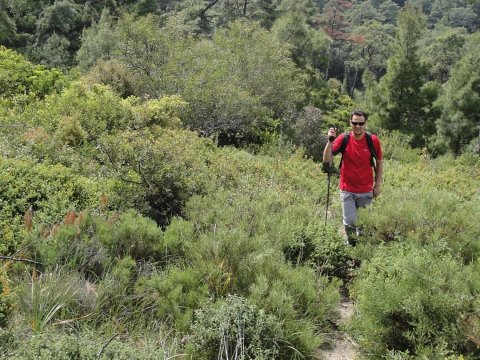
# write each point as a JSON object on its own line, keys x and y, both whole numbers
{"x": 334, "y": 22}
{"x": 310, "y": 46}
{"x": 401, "y": 104}
{"x": 371, "y": 50}
{"x": 144, "y": 47}
{"x": 7, "y": 25}
{"x": 368, "y": 48}
{"x": 58, "y": 34}
{"x": 238, "y": 83}
{"x": 98, "y": 41}
{"x": 441, "y": 48}
{"x": 458, "y": 13}
{"x": 458, "y": 127}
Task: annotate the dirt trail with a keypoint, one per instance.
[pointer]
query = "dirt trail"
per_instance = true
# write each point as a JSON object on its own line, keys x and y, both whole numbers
{"x": 343, "y": 346}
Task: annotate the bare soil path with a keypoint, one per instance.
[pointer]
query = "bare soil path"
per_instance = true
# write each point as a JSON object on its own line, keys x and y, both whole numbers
{"x": 343, "y": 346}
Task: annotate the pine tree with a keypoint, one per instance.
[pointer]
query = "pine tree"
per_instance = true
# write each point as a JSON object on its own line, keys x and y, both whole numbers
{"x": 458, "y": 126}
{"x": 401, "y": 105}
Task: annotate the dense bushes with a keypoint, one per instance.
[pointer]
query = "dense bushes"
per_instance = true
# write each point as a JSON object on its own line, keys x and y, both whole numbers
{"x": 417, "y": 289}
{"x": 91, "y": 244}
{"x": 88, "y": 345}
{"x": 439, "y": 203}
{"x": 235, "y": 327}
{"x": 232, "y": 240}
{"x": 416, "y": 300}
{"x": 6, "y": 299}
{"x": 39, "y": 194}
{"x": 20, "y": 78}
{"x": 245, "y": 232}
{"x": 133, "y": 224}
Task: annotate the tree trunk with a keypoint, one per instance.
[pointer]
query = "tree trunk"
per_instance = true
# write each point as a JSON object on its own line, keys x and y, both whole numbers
{"x": 354, "y": 82}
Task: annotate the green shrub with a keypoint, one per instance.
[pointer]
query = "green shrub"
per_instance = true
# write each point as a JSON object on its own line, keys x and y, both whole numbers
{"x": 50, "y": 192}
{"x": 90, "y": 345}
{"x": 243, "y": 229}
{"x": 414, "y": 299}
{"x": 459, "y": 175}
{"x": 159, "y": 169}
{"x": 6, "y": 299}
{"x": 172, "y": 295}
{"x": 306, "y": 304}
{"x": 97, "y": 109}
{"x": 322, "y": 248}
{"x": 396, "y": 147}
{"x": 70, "y": 132}
{"x": 165, "y": 112}
{"x": 112, "y": 254}
{"x": 235, "y": 328}
{"x": 424, "y": 215}
{"x": 134, "y": 235}
{"x": 175, "y": 236}
{"x": 115, "y": 75}
{"x": 115, "y": 294}
{"x": 54, "y": 298}
{"x": 92, "y": 244}
{"x": 78, "y": 247}
{"x": 18, "y": 76}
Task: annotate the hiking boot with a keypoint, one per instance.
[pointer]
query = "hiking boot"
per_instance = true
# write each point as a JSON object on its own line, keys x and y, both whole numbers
{"x": 352, "y": 241}
{"x": 358, "y": 231}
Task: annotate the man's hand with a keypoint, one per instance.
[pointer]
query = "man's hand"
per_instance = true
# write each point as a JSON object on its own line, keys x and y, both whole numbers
{"x": 376, "y": 191}
{"x": 332, "y": 134}
{"x": 327, "y": 152}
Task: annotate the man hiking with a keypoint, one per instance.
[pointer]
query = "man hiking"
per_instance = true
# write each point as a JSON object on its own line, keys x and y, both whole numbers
{"x": 360, "y": 152}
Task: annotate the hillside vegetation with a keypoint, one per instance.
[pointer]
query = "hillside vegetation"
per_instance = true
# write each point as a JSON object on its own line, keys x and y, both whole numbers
{"x": 161, "y": 194}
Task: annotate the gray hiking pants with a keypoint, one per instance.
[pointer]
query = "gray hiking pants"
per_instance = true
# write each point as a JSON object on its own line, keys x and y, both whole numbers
{"x": 350, "y": 203}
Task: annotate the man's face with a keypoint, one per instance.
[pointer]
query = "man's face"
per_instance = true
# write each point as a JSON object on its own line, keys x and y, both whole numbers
{"x": 358, "y": 124}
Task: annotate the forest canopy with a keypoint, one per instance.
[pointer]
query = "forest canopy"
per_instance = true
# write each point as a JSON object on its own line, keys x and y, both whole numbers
{"x": 250, "y": 69}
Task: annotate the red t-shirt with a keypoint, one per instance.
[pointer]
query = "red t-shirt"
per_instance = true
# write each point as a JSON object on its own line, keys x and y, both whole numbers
{"x": 356, "y": 173}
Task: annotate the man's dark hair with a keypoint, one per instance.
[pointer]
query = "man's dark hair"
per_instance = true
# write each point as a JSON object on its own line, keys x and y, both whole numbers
{"x": 359, "y": 113}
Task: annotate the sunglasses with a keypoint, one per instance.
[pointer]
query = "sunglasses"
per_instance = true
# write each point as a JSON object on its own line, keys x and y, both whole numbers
{"x": 354, "y": 123}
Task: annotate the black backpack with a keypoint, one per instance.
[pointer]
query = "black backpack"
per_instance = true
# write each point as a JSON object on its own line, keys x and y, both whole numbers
{"x": 373, "y": 153}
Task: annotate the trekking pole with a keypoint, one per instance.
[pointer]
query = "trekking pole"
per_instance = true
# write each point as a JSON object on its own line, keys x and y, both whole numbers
{"x": 331, "y": 138}
{"x": 328, "y": 194}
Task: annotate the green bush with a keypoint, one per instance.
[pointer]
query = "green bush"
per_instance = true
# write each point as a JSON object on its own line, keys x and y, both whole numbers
{"x": 242, "y": 231}
{"x": 159, "y": 170}
{"x": 92, "y": 243}
{"x": 172, "y": 295}
{"x": 396, "y": 147}
{"x": 76, "y": 246}
{"x": 18, "y": 76}
{"x": 165, "y": 112}
{"x": 54, "y": 298}
{"x": 306, "y": 304}
{"x": 50, "y": 192}
{"x": 414, "y": 299}
{"x": 6, "y": 299}
{"x": 424, "y": 215}
{"x": 115, "y": 75}
{"x": 122, "y": 257}
{"x": 322, "y": 248}
{"x": 456, "y": 175}
{"x": 90, "y": 345}
{"x": 134, "y": 235}
{"x": 235, "y": 328}
{"x": 115, "y": 299}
